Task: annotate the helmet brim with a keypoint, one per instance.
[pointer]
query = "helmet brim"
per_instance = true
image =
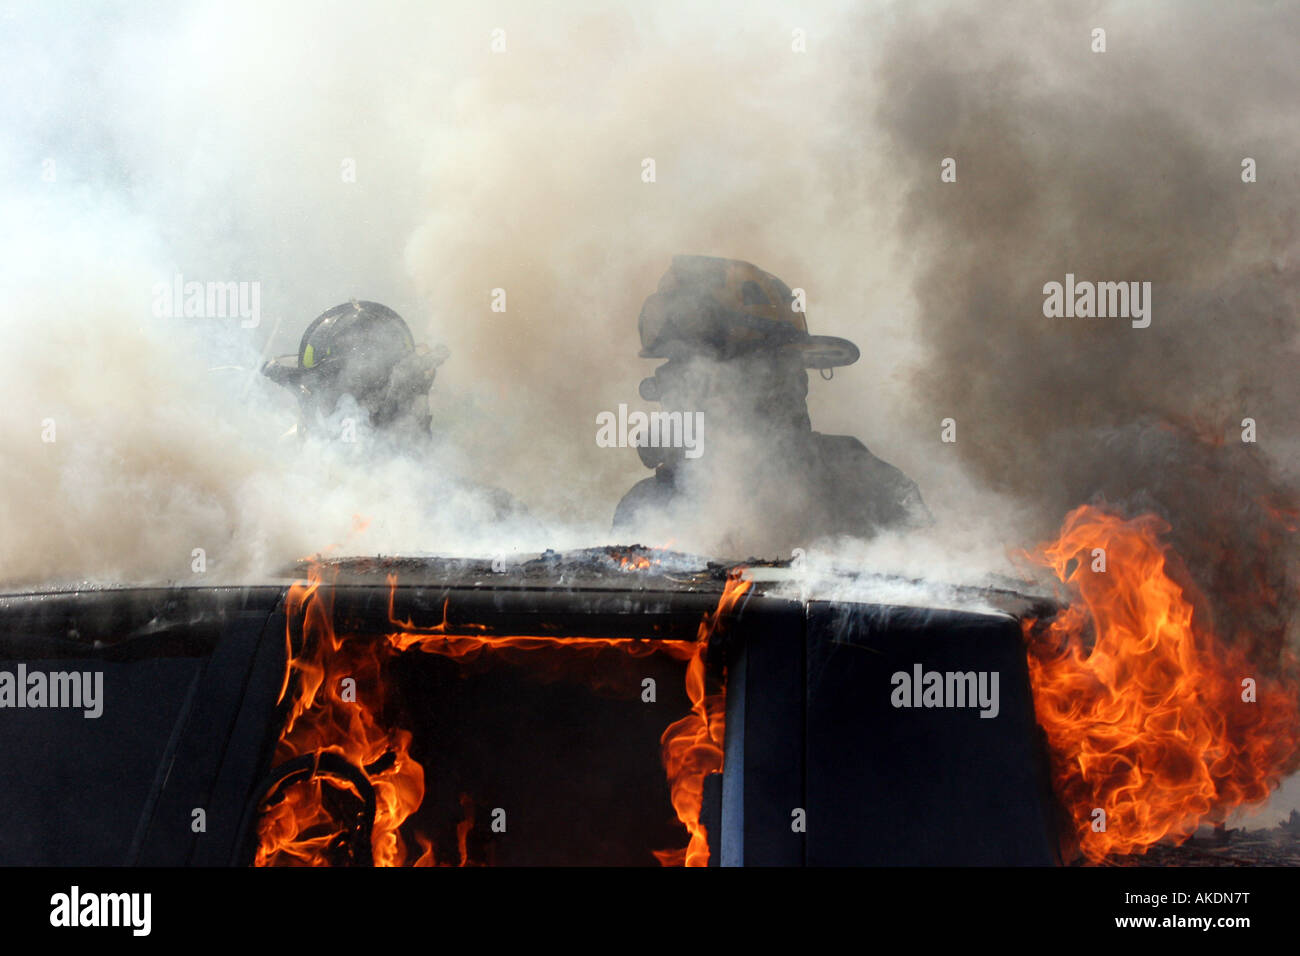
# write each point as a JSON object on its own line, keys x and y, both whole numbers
{"x": 283, "y": 370}
{"x": 826, "y": 351}
{"x": 287, "y": 371}
{"x": 818, "y": 351}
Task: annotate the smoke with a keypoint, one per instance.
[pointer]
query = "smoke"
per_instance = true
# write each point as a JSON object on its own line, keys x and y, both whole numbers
{"x": 572, "y": 167}
{"x": 1124, "y": 165}
{"x": 448, "y": 161}
{"x": 398, "y": 157}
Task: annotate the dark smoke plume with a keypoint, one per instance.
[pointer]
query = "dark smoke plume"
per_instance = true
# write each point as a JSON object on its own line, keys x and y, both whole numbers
{"x": 1117, "y": 166}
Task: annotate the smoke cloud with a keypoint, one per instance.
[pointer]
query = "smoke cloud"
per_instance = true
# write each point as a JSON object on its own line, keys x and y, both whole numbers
{"x": 1122, "y": 166}
{"x": 427, "y": 158}
{"x": 395, "y": 157}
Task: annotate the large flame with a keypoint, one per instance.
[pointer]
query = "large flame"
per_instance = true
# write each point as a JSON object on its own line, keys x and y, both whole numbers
{"x": 301, "y": 824}
{"x": 1151, "y": 718}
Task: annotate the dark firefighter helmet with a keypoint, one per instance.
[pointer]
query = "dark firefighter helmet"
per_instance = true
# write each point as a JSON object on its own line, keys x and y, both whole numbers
{"x": 725, "y": 308}
{"x": 362, "y": 349}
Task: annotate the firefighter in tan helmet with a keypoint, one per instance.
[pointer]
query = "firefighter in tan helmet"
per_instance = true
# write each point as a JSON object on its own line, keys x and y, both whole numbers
{"x": 761, "y": 482}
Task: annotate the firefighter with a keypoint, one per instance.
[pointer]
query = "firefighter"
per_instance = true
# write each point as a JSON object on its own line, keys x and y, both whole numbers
{"x": 358, "y": 371}
{"x": 737, "y": 350}
{"x": 366, "y": 351}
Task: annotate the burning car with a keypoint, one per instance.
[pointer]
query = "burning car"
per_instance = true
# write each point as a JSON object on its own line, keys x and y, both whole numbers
{"x": 630, "y": 706}
{"x": 615, "y": 707}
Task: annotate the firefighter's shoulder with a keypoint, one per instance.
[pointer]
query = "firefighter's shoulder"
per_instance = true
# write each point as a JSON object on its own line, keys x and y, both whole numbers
{"x": 845, "y": 451}
{"x": 647, "y": 498}
{"x": 852, "y": 469}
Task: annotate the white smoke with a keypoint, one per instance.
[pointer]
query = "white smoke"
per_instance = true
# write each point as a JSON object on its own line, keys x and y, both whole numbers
{"x": 394, "y": 155}
{"x": 327, "y": 154}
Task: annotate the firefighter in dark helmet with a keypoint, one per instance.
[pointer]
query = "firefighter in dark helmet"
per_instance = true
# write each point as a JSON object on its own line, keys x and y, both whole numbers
{"x": 360, "y": 356}
{"x": 763, "y": 482}
{"x": 364, "y": 350}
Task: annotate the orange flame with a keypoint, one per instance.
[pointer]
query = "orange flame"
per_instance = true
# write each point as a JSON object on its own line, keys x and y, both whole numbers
{"x": 692, "y": 747}
{"x": 1148, "y": 714}
{"x": 299, "y": 826}
{"x": 299, "y": 829}
{"x": 638, "y": 558}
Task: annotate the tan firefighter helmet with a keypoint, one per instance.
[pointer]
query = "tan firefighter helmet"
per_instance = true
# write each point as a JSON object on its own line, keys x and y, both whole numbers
{"x": 724, "y": 308}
